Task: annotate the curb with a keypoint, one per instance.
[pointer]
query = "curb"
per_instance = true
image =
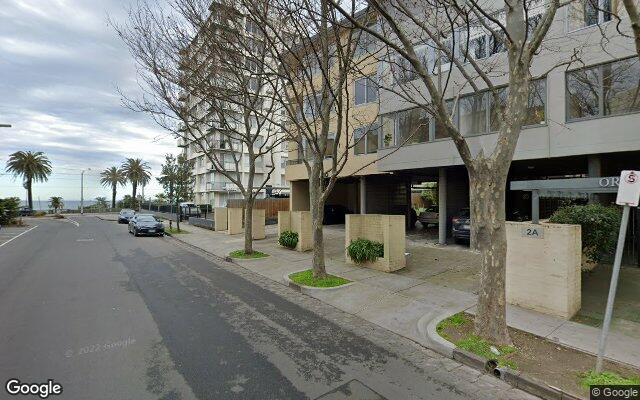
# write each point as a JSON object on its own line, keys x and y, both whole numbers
{"x": 514, "y": 378}
{"x": 309, "y": 290}
{"x": 427, "y": 328}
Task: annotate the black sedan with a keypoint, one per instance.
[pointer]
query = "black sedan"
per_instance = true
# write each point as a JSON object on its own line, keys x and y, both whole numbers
{"x": 461, "y": 225}
{"x": 125, "y": 216}
{"x": 146, "y": 224}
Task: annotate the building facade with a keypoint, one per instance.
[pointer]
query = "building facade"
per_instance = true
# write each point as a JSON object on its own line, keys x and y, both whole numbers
{"x": 583, "y": 121}
{"x": 220, "y": 122}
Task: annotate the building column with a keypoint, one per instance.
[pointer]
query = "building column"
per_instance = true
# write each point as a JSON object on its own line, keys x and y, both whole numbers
{"x": 442, "y": 206}
{"x": 363, "y": 195}
{"x": 594, "y": 170}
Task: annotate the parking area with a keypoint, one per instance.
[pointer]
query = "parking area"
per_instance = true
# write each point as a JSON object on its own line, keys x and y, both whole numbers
{"x": 9, "y": 233}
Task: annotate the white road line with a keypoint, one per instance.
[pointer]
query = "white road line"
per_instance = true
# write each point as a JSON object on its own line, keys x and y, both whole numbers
{"x": 15, "y": 237}
{"x": 71, "y": 221}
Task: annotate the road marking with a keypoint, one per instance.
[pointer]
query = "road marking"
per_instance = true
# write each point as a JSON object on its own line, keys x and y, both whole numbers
{"x": 15, "y": 237}
{"x": 84, "y": 240}
{"x": 71, "y": 221}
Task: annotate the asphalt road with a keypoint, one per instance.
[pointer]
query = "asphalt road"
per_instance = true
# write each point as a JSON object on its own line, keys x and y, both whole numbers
{"x": 111, "y": 316}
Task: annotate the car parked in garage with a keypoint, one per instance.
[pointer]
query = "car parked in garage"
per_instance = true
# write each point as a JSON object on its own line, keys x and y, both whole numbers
{"x": 146, "y": 224}
{"x": 461, "y": 225}
{"x": 125, "y": 216}
{"x": 429, "y": 216}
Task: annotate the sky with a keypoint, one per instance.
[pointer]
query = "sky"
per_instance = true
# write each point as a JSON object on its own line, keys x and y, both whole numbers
{"x": 61, "y": 65}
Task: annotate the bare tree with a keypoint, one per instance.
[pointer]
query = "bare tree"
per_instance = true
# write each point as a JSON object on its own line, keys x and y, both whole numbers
{"x": 202, "y": 67}
{"x": 315, "y": 53}
{"x": 438, "y": 51}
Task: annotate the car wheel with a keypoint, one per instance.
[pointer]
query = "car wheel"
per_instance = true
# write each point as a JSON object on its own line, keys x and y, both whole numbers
{"x": 135, "y": 232}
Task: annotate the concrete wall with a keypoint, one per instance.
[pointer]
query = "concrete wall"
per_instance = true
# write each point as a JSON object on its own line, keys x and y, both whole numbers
{"x": 220, "y": 218}
{"x": 299, "y": 222}
{"x": 257, "y": 224}
{"x": 386, "y": 229}
{"x": 543, "y": 270}
{"x": 201, "y": 222}
{"x": 234, "y": 221}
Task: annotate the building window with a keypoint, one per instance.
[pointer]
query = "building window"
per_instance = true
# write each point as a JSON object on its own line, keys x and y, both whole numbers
{"x": 366, "y": 140}
{"x": 583, "y": 13}
{"x": 536, "y": 109}
{"x": 603, "y": 90}
{"x": 440, "y": 130}
{"x": 473, "y": 114}
{"x": 366, "y": 43}
{"x": 331, "y": 142}
{"x": 387, "y": 125}
{"x": 412, "y": 126}
{"x": 366, "y": 90}
{"x": 402, "y": 70}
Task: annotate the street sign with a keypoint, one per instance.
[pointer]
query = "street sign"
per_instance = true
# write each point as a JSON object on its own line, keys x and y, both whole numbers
{"x": 629, "y": 189}
{"x": 628, "y": 196}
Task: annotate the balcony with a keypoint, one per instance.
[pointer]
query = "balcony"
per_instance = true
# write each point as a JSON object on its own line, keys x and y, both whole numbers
{"x": 222, "y": 187}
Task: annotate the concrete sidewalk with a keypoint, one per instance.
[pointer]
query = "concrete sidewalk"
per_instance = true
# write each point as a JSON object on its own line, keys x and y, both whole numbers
{"x": 408, "y": 301}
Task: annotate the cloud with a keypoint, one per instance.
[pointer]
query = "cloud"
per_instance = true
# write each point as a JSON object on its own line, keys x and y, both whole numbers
{"x": 60, "y": 65}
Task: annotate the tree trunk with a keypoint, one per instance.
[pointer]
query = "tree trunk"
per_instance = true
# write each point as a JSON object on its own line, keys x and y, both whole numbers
{"x": 317, "y": 215}
{"x": 487, "y": 189}
{"x": 133, "y": 194}
{"x": 177, "y": 214}
{"x": 29, "y": 194}
{"x": 113, "y": 196}
{"x": 248, "y": 226}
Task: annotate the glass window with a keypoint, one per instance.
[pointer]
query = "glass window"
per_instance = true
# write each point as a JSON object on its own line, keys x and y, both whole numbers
{"x": 403, "y": 71}
{"x": 583, "y": 93}
{"x": 359, "y": 141}
{"x": 366, "y": 90}
{"x": 496, "y": 43}
{"x": 536, "y": 110}
{"x": 361, "y": 91}
{"x": 372, "y": 140}
{"x": 412, "y": 126}
{"x": 440, "y": 131}
{"x": 621, "y": 89}
{"x": 387, "y": 130}
{"x": 583, "y": 13}
{"x": 473, "y": 114}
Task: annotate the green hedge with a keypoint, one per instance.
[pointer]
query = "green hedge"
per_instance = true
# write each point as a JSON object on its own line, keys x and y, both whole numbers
{"x": 363, "y": 250}
{"x": 600, "y": 225}
{"x": 288, "y": 239}
{"x": 8, "y": 209}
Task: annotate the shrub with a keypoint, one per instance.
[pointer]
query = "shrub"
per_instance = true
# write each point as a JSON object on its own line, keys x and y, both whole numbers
{"x": 8, "y": 209}
{"x": 288, "y": 239}
{"x": 363, "y": 250}
{"x": 40, "y": 214}
{"x": 600, "y": 225}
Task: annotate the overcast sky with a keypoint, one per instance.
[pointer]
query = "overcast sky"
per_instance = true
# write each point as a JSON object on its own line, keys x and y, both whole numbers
{"x": 60, "y": 64}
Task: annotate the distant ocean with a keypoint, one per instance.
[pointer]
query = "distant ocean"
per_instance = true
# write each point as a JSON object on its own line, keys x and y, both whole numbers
{"x": 68, "y": 204}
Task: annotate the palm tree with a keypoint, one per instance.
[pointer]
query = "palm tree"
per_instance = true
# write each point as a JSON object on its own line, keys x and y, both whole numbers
{"x": 113, "y": 177}
{"x": 102, "y": 203}
{"x": 32, "y": 166}
{"x": 56, "y": 203}
{"x": 137, "y": 172}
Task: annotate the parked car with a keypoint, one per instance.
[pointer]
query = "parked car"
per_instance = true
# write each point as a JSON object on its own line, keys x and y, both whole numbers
{"x": 461, "y": 225}
{"x": 146, "y": 224}
{"x": 25, "y": 212}
{"x": 125, "y": 215}
{"x": 429, "y": 216}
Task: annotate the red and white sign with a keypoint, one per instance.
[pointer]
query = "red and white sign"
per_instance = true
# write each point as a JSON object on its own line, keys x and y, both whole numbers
{"x": 629, "y": 189}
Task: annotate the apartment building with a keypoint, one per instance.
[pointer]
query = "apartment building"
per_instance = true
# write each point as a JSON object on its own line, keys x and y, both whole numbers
{"x": 583, "y": 121}
{"x": 212, "y": 187}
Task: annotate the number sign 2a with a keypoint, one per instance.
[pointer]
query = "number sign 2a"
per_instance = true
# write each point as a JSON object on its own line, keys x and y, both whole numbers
{"x": 533, "y": 232}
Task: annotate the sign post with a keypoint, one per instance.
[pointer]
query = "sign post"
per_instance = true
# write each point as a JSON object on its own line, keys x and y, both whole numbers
{"x": 628, "y": 196}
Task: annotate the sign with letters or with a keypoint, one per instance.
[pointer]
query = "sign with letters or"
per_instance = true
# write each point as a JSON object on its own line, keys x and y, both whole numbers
{"x": 629, "y": 189}
{"x": 533, "y": 232}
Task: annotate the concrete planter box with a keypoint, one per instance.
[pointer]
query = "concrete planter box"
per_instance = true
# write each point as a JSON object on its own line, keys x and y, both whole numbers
{"x": 386, "y": 229}
{"x": 543, "y": 270}
{"x": 220, "y": 218}
{"x": 234, "y": 221}
{"x": 299, "y": 222}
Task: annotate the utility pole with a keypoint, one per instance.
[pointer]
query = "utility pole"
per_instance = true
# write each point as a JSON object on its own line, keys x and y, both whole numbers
{"x": 82, "y": 190}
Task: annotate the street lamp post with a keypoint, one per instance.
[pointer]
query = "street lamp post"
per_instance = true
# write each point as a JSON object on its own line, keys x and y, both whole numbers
{"x": 82, "y": 190}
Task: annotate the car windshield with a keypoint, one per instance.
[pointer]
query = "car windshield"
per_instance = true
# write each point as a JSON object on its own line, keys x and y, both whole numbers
{"x": 146, "y": 218}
